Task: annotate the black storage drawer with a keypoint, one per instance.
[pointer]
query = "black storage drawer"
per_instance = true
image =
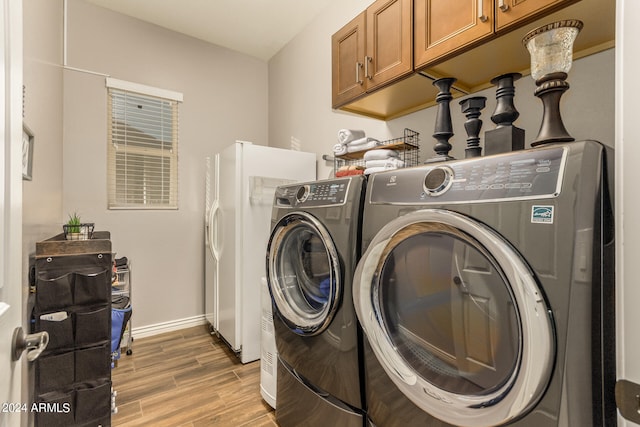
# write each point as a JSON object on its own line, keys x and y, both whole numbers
{"x": 86, "y": 404}
{"x": 92, "y": 327}
{"x": 55, "y": 409}
{"x": 55, "y": 372}
{"x": 72, "y": 302}
{"x": 54, "y": 293}
{"x": 60, "y": 330}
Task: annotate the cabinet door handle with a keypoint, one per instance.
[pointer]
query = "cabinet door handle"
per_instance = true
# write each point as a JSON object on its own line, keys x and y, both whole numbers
{"x": 358, "y": 66}
{"x": 503, "y": 5}
{"x": 481, "y": 16}
{"x": 367, "y": 60}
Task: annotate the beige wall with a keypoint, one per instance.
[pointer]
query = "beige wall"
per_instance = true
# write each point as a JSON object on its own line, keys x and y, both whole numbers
{"x": 42, "y": 80}
{"x": 300, "y": 97}
{"x": 42, "y": 196}
{"x": 225, "y": 98}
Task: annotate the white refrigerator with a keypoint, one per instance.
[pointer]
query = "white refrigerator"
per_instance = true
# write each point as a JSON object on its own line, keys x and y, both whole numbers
{"x": 240, "y": 186}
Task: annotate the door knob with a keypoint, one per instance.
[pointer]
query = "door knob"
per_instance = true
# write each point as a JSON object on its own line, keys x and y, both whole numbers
{"x": 34, "y": 344}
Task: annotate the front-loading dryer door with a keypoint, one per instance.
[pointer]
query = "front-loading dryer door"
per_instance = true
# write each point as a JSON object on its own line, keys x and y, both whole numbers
{"x": 456, "y": 318}
{"x": 303, "y": 273}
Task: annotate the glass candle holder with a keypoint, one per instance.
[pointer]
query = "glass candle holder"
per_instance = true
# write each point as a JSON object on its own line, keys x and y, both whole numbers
{"x": 551, "y": 50}
{"x": 551, "y": 47}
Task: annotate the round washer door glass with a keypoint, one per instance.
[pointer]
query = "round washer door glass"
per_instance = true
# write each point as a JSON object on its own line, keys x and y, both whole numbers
{"x": 303, "y": 273}
{"x": 455, "y": 317}
{"x": 447, "y": 310}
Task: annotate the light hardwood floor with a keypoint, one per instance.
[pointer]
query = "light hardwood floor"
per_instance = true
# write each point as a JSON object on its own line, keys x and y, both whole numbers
{"x": 187, "y": 378}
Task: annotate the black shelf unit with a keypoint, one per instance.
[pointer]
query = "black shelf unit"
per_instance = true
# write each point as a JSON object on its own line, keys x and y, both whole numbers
{"x": 121, "y": 288}
{"x": 71, "y": 298}
{"x": 407, "y": 146}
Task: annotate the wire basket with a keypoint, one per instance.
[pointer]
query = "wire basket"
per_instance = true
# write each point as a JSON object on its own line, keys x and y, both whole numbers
{"x": 407, "y": 146}
{"x": 78, "y": 232}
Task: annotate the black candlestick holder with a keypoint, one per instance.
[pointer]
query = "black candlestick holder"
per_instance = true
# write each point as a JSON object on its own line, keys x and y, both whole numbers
{"x": 471, "y": 108}
{"x": 505, "y": 137}
{"x": 443, "y": 127}
{"x": 550, "y": 89}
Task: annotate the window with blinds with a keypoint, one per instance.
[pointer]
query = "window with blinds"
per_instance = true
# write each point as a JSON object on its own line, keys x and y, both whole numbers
{"x": 143, "y": 149}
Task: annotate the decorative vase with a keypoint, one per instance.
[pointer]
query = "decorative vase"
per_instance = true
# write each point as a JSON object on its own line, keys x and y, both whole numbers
{"x": 551, "y": 50}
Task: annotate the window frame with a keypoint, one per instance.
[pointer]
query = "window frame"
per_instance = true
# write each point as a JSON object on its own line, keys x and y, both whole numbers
{"x": 119, "y": 88}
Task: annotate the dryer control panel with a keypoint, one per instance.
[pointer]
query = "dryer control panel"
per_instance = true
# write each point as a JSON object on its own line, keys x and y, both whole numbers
{"x": 314, "y": 194}
{"x": 523, "y": 174}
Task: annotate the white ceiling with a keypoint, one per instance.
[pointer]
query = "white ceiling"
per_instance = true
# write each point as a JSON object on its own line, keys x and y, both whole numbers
{"x": 258, "y": 28}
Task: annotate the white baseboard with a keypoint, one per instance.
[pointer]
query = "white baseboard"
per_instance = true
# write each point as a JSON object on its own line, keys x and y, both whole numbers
{"x": 173, "y": 325}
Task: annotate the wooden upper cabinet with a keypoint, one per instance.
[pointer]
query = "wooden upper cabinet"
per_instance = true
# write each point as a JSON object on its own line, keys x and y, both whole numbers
{"x": 445, "y": 26}
{"x": 347, "y": 58}
{"x": 374, "y": 49}
{"x": 382, "y": 58}
{"x": 389, "y": 41}
{"x": 514, "y": 12}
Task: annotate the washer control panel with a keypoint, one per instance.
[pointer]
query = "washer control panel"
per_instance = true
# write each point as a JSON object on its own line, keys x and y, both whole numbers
{"x": 535, "y": 173}
{"x": 314, "y": 194}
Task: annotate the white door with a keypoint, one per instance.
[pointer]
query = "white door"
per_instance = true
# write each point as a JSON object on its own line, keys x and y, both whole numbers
{"x": 627, "y": 205}
{"x": 10, "y": 209}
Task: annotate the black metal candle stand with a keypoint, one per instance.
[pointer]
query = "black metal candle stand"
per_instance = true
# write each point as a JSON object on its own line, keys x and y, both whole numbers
{"x": 443, "y": 127}
{"x": 471, "y": 108}
{"x": 505, "y": 137}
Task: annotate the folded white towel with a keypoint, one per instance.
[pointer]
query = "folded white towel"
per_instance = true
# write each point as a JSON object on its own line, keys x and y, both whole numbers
{"x": 362, "y": 141}
{"x": 347, "y": 135}
{"x": 368, "y": 171}
{"x": 380, "y": 154}
{"x": 362, "y": 146}
{"x": 391, "y": 162}
{"x": 339, "y": 149}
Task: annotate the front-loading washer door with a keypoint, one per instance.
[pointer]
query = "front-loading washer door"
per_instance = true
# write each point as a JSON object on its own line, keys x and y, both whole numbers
{"x": 303, "y": 273}
{"x": 456, "y": 318}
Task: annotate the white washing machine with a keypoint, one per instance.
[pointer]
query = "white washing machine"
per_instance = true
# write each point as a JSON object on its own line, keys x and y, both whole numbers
{"x": 486, "y": 291}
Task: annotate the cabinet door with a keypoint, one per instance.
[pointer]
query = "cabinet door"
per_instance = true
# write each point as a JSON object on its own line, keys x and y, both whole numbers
{"x": 511, "y": 12}
{"x": 389, "y": 41}
{"x": 347, "y": 59}
{"x": 443, "y": 27}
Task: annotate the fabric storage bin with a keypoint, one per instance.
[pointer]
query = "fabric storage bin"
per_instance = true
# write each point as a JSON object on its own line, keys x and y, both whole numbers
{"x": 55, "y": 371}
{"x": 92, "y": 288}
{"x": 120, "y": 315}
{"x": 92, "y": 400}
{"x": 54, "y": 293}
{"x": 59, "y": 410}
{"x": 92, "y": 327}
{"x": 60, "y": 331}
{"x": 72, "y": 302}
{"x": 92, "y": 363}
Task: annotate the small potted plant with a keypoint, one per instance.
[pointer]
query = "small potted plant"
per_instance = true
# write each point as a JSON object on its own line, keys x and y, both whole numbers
{"x": 75, "y": 229}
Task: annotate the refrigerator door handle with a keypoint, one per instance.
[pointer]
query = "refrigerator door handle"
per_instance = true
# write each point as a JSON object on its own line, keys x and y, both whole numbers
{"x": 212, "y": 230}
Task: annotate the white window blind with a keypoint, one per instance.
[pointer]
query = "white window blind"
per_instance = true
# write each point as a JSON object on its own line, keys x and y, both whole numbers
{"x": 143, "y": 151}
